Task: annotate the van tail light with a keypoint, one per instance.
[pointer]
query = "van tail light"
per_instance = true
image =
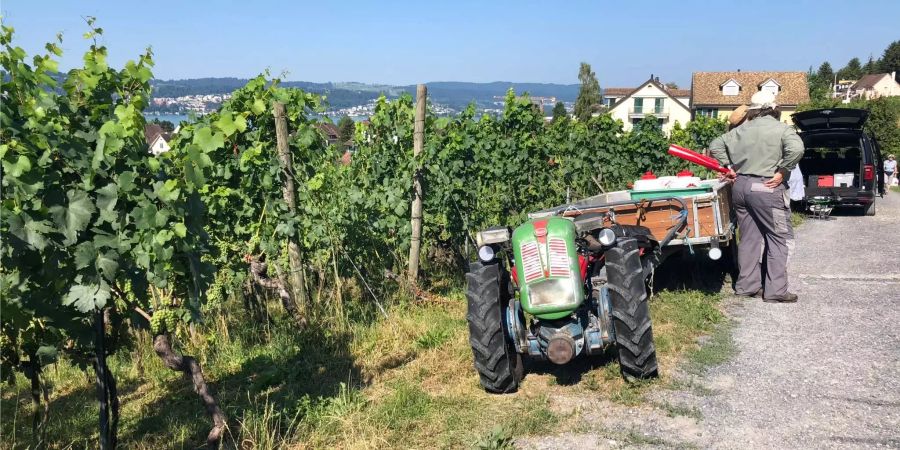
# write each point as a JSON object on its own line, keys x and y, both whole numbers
{"x": 869, "y": 172}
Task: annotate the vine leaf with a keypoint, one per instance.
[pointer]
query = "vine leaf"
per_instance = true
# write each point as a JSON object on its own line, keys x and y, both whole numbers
{"x": 209, "y": 141}
{"x": 75, "y": 218}
{"x": 87, "y": 297}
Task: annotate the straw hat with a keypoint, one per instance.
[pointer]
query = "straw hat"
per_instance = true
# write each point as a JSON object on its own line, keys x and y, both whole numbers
{"x": 737, "y": 116}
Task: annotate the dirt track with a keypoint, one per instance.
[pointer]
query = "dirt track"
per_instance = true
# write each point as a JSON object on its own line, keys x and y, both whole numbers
{"x": 822, "y": 373}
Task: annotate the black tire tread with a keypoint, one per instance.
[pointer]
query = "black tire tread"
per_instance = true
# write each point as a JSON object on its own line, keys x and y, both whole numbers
{"x": 498, "y": 365}
{"x": 630, "y": 311}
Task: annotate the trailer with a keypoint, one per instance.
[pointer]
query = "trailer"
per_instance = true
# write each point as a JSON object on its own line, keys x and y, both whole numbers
{"x": 693, "y": 220}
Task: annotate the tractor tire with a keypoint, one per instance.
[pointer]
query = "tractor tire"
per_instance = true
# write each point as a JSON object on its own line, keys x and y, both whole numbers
{"x": 497, "y": 362}
{"x": 630, "y": 311}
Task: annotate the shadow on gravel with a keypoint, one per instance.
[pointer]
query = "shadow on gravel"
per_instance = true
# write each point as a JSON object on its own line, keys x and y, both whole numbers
{"x": 686, "y": 271}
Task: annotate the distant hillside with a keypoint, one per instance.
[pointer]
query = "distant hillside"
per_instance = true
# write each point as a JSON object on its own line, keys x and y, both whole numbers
{"x": 454, "y": 94}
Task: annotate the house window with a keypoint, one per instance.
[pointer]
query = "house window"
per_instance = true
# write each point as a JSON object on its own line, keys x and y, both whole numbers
{"x": 731, "y": 88}
{"x": 708, "y": 112}
{"x": 660, "y": 103}
{"x": 770, "y": 86}
{"x": 638, "y": 105}
{"x": 161, "y": 144}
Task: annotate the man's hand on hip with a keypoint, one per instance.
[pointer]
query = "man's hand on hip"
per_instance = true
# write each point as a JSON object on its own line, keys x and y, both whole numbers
{"x": 775, "y": 180}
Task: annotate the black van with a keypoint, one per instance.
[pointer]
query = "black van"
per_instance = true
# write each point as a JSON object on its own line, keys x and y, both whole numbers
{"x": 841, "y": 162}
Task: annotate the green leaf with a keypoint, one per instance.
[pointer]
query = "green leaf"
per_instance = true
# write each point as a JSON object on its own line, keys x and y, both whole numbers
{"x": 168, "y": 191}
{"x": 180, "y": 230}
{"x": 31, "y": 231}
{"x": 108, "y": 264}
{"x": 86, "y": 298}
{"x": 209, "y": 141}
{"x": 226, "y": 123}
{"x": 74, "y": 218}
{"x": 107, "y": 196}
{"x": 85, "y": 254}
{"x": 258, "y": 107}
{"x": 22, "y": 165}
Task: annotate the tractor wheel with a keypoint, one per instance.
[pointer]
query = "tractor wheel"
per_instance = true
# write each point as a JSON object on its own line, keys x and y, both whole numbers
{"x": 630, "y": 311}
{"x": 496, "y": 361}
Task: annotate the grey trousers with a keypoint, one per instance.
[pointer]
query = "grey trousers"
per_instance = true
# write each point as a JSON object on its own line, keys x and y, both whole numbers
{"x": 766, "y": 236}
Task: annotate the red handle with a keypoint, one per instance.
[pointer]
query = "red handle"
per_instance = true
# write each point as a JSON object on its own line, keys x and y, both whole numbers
{"x": 696, "y": 158}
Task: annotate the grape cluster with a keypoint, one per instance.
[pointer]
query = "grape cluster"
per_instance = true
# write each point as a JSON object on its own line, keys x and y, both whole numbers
{"x": 163, "y": 320}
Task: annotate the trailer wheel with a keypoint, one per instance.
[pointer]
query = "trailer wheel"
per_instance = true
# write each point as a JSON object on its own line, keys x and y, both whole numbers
{"x": 496, "y": 361}
{"x": 630, "y": 311}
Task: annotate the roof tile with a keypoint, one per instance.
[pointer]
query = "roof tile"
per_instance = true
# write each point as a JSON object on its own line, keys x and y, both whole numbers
{"x": 706, "y": 87}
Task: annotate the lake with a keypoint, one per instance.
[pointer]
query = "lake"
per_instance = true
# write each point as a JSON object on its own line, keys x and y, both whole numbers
{"x": 174, "y": 118}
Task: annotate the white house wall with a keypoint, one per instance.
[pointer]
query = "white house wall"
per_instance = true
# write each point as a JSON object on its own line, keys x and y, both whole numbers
{"x": 676, "y": 112}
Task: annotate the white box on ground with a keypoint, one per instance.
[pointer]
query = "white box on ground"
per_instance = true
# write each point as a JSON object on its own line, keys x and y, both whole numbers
{"x": 843, "y": 179}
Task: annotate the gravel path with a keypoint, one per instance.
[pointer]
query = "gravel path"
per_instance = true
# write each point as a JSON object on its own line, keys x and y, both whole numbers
{"x": 821, "y": 373}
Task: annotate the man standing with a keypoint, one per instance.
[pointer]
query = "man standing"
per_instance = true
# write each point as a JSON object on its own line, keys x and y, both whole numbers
{"x": 760, "y": 154}
{"x": 890, "y": 168}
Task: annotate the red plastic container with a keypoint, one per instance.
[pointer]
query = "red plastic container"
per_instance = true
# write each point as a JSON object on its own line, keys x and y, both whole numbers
{"x": 826, "y": 180}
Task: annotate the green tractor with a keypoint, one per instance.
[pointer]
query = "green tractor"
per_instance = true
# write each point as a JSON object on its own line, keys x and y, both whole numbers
{"x": 557, "y": 288}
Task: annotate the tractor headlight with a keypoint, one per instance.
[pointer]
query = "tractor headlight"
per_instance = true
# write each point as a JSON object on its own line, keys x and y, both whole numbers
{"x": 607, "y": 237}
{"x": 486, "y": 253}
{"x": 493, "y": 235}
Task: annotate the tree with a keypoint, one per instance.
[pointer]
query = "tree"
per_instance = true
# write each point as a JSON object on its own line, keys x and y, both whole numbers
{"x": 871, "y": 66}
{"x": 672, "y": 85}
{"x": 890, "y": 60}
{"x": 588, "y": 95}
{"x": 884, "y": 115}
{"x": 346, "y": 129}
{"x": 825, "y": 72}
{"x": 559, "y": 112}
{"x": 852, "y": 71}
{"x": 167, "y": 126}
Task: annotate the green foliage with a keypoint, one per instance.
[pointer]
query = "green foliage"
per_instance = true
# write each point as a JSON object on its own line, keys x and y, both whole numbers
{"x": 890, "y": 60}
{"x": 852, "y": 71}
{"x": 91, "y": 217}
{"x": 346, "y": 130}
{"x": 559, "y": 112}
{"x": 884, "y": 124}
{"x": 589, "y": 94}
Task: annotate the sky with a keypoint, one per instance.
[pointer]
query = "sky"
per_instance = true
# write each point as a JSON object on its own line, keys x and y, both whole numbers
{"x": 406, "y": 42}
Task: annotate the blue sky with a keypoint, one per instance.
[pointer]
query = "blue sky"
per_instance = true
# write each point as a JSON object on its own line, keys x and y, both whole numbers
{"x": 405, "y": 42}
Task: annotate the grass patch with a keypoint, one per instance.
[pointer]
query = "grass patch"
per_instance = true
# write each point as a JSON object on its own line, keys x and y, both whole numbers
{"x": 405, "y": 382}
{"x": 673, "y": 410}
{"x": 797, "y": 218}
{"x": 718, "y": 348}
{"x": 895, "y": 188}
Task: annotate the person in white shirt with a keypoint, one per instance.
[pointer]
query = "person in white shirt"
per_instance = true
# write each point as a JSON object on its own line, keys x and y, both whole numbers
{"x": 890, "y": 171}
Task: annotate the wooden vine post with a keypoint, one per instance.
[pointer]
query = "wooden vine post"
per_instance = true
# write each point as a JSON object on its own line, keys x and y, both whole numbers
{"x": 416, "y": 216}
{"x": 298, "y": 286}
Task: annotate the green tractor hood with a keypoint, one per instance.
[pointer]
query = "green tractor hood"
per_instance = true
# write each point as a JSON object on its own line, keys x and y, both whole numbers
{"x": 547, "y": 269}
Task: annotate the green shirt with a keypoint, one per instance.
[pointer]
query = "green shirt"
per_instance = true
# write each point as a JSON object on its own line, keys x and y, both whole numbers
{"x": 759, "y": 147}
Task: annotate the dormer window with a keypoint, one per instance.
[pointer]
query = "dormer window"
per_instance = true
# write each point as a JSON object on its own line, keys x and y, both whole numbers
{"x": 770, "y": 85}
{"x": 730, "y": 87}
